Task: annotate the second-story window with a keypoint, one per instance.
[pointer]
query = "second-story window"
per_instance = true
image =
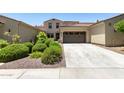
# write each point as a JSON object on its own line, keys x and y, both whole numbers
{"x": 57, "y": 25}
{"x": 50, "y": 25}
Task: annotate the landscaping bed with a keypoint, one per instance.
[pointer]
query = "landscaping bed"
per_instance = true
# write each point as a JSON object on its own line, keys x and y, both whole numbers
{"x": 43, "y": 53}
{"x": 28, "y": 63}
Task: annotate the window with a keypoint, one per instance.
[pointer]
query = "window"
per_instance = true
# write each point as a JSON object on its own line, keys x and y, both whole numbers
{"x": 81, "y": 33}
{"x": 57, "y": 25}
{"x": 77, "y": 33}
{"x": 9, "y": 30}
{"x": 71, "y": 33}
{"x": 50, "y": 35}
{"x": 50, "y": 25}
{"x": 66, "y": 33}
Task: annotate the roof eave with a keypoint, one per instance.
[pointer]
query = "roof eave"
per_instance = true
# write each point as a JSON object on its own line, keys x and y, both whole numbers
{"x": 106, "y": 19}
{"x": 74, "y": 26}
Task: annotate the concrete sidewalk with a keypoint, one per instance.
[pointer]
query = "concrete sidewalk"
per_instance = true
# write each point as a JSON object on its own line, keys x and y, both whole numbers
{"x": 63, "y": 73}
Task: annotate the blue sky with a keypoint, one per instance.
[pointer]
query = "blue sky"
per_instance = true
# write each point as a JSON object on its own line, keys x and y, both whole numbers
{"x": 38, "y": 18}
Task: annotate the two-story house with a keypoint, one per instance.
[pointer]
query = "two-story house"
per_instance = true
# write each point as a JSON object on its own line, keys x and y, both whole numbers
{"x": 100, "y": 32}
{"x": 67, "y": 31}
{"x": 52, "y": 28}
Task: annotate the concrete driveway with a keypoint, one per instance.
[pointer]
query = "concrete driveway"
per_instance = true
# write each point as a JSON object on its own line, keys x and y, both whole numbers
{"x": 91, "y": 56}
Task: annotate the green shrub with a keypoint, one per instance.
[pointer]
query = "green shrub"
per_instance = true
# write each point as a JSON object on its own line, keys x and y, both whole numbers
{"x": 56, "y": 50}
{"x": 48, "y": 41}
{"x": 3, "y": 43}
{"x": 15, "y": 37}
{"x": 29, "y": 45}
{"x": 13, "y": 52}
{"x": 40, "y": 41}
{"x": 42, "y": 35}
{"x": 36, "y": 55}
{"x": 119, "y": 26}
{"x": 55, "y": 43}
{"x": 39, "y": 47}
{"x": 51, "y": 55}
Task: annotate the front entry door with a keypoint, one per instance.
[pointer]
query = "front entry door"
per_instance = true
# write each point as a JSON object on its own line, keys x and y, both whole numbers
{"x": 57, "y": 36}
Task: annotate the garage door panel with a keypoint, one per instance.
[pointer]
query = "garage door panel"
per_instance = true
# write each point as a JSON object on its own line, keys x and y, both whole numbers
{"x": 76, "y": 37}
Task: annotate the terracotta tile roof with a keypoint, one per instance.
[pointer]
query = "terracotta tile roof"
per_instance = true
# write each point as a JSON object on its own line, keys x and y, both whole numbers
{"x": 79, "y": 24}
{"x": 40, "y": 27}
{"x": 70, "y": 23}
{"x": 83, "y": 24}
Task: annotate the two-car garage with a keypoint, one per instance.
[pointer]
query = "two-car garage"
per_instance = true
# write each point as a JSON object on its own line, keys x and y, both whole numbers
{"x": 74, "y": 37}
{"x": 75, "y": 34}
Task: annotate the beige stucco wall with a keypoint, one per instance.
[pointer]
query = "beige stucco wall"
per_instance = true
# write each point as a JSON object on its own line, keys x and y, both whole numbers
{"x": 26, "y": 32}
{"x": 97, "y": 33}
{"x": 75, "y": 29}
{"x": 9, "y": 24}
{"x": 1, "y": 30}
{"x": 54, "y": 30}
{"x": 114, "y": 38}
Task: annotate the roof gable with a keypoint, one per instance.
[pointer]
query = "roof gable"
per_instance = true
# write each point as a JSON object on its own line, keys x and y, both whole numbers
{"x": 53, "y": 19}
{"x": 20, "y": 22}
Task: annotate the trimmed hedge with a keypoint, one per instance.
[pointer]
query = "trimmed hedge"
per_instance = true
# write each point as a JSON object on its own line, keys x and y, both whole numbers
{"x": 48, "y": 41}
{"x": 39, "y": 47}
{"x": 3, "y": 43}
{"x": 13, "y": 52}
{"x": 51, "y": 55}
{"x": 29, "y": 45}
{"x": 56, "y": 50}
{"x": 55, "y": 43}
{"x": 42, "y": 35}
{"x": 40, "y": 41}
{"x": 36, "y": 55}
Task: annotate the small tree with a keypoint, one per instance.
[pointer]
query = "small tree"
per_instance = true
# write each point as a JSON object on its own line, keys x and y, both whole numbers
{"x": 15, "y": 37}
{"x": 119, "y": 26}
{"x": 42, "y": 35}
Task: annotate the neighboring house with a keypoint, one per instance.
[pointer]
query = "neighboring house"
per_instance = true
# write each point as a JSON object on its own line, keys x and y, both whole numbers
{"x": 104, "y": 33}
{"x": 101, "y": 32}
{"x": 26, "y": 31}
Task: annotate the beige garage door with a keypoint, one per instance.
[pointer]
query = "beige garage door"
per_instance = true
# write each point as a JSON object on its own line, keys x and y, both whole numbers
{"x": 74, "y": 37}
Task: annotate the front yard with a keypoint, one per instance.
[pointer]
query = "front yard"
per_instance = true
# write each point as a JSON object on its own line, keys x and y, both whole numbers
{"x": 119, "y": 49}
{"x": 44, "y": 52}
{"x": 28, "y": 63}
